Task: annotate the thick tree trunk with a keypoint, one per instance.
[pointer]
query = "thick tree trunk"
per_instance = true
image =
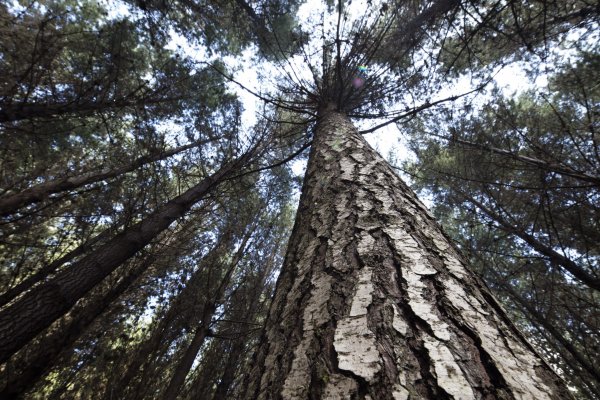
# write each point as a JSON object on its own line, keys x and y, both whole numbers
{"x": 37, "y": 309}
{"x": 11, "y": 203}
{"x": 373, "y": 302}
{"x": 23, "y": 377}
{"x": 48, "y": 269}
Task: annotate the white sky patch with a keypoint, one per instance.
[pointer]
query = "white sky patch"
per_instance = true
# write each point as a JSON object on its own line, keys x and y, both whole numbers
{"x": 261, "y": 77}
{"x": 246, "y": 72}
{"x": 182, "y": 46}
{"x": 116, "y": 9}
{"x": 171, "y": 131}
{"x": 15, "y": 7}
{"x": 298, "y": 167}
{"x": 512, "y": 78}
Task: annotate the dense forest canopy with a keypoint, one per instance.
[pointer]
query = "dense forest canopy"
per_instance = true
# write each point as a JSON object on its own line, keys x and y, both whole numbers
{"x": 143, "y": 224}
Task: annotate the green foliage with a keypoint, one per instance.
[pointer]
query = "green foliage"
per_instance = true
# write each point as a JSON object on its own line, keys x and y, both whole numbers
{"x": 516, "y": 184}
{"x": 498, "y": 32}
{"x": 84, "y": 92}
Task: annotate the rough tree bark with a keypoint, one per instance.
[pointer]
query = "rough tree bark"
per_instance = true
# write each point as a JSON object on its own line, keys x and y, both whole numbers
{"x": 373, "y": 302}
{"x": 23, "y": 375}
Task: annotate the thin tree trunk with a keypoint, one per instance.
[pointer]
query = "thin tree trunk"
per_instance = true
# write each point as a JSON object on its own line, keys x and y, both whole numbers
{"x": 118, "y": 389}
{"x": 373, "y": 302}
{"x": 233, "y": 360}
{"x": 37, "y": 309}
{"x": 411, "y": 33}
{"x": 185, "y": 364}
{"x": 11, "y": 203}
{"x": 235, "y": 334}
{"x": 569, "y": 265}
{"x": 539, "y": 319}
{"x": 561, "y": 169}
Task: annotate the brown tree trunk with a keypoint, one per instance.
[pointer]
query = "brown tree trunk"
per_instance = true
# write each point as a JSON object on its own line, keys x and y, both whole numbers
{"x": 373, "y": 302}
{"x": 34, "y": 194}
{"x": 147, "y": 348}
{"x": 37, "y": 309}
{"x": 185, "y": 364}
{"x": 43, "y": 357}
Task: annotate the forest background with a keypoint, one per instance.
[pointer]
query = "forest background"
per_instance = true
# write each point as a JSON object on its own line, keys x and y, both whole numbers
{"x": 124, "y": 143}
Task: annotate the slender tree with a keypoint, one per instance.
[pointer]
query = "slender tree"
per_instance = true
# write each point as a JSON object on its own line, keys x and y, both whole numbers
{"x": 60, "y": 293}
{"x": 219, "y": 374}
{"x": 213, "y": 300}
{"x": 12, "y": 202}
{"x": 193, "y": 291}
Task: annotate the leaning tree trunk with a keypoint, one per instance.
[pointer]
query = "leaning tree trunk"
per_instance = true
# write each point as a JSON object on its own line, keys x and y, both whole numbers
{"x": 23, "y": 376}
{"x": 37, "y": 309}
{"x": 213, "y": 301}
{"x": 39, "y": 192}
{"x": 373, "y": 302}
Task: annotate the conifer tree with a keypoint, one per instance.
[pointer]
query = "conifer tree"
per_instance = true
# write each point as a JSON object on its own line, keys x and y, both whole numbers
{"x": 373, "y": 299}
